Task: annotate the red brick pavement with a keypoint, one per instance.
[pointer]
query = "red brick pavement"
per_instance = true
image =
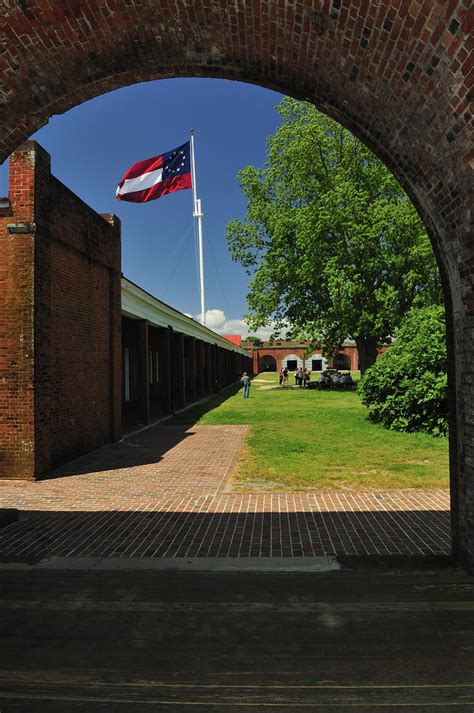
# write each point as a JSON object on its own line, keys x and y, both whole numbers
{"x": 165, "y": 493}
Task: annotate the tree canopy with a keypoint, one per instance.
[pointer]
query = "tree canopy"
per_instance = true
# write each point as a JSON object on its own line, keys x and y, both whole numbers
{"x": 406, "y": 389}
{"x": 333, "y": 245}
{"x": 252, "y": 338}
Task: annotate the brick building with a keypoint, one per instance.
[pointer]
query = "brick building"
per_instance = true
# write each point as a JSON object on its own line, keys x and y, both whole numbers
{"x": 397, "y": 74}
{"x": 84, "y": 353}
{"x": 273, "y": 356}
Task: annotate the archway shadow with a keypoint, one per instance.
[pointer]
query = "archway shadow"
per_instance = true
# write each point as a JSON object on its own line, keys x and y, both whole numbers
{"x": 190, "y": 532}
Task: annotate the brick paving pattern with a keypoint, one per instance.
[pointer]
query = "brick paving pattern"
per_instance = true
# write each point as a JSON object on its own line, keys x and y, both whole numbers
{"x": 165, "y": 493}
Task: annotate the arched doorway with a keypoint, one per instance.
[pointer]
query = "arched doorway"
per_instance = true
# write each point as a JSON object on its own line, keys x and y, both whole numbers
{"x": 341, "y": 361}
{"x": 267, "y": 363}
{"x": 316, "y": 362}
{"x": 400, "y": 83}
{"x": 292, "y": 362}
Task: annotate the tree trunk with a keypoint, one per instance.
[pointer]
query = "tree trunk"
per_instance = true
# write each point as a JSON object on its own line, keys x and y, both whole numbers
{"x": 367, "y": 348}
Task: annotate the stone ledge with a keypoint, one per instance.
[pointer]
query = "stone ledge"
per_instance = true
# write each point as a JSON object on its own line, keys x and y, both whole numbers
{"x": 14, "y": 228}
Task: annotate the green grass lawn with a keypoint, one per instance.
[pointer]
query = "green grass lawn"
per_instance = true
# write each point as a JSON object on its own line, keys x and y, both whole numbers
{"x": 320, "y": 440}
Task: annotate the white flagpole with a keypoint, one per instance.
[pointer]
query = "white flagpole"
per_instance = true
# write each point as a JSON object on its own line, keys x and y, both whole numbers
{"x": 197, "y": 213}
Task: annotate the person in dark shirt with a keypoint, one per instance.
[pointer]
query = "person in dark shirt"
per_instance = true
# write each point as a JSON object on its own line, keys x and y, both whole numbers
{"x": 347, "y": 380}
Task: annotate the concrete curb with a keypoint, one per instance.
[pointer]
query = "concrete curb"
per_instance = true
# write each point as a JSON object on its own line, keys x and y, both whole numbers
{"x": 183, "y": 564}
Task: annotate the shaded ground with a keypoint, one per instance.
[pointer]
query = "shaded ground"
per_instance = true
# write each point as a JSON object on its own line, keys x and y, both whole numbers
{"x": 163, "y": 632}
{"x": 165, "y": 492}
{"x": 360, "y": 641}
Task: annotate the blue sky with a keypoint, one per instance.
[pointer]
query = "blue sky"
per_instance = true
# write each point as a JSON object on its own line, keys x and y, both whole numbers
{"x": 92, "y": 145}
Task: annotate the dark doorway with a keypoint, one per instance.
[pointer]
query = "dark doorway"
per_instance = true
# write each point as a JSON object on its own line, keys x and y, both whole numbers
{"x": 341, "y": 361}
{"x": 267, "y": 363}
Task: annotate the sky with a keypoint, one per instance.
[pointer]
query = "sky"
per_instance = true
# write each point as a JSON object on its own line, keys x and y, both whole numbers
{"x": 93, "y": 144}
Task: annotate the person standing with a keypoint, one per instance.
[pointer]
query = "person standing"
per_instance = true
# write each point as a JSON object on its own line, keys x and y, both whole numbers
{"x": 246, "y": 382}
{"x": 347, "y": 380}
{"x": 306, "y": 378}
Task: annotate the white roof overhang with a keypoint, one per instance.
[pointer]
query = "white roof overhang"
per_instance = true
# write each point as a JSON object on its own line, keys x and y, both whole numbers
{"x": 139, "y": 304}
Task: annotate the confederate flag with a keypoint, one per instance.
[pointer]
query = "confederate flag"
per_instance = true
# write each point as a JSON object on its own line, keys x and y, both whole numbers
{"x": 157, "y": 176}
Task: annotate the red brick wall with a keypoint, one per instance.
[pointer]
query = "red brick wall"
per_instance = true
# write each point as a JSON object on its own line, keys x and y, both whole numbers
{"x": 397, "y": 73}
{"x": 72, "y": 281}
{"x": 16, "y": 326}
{"x": 279, "y": 353}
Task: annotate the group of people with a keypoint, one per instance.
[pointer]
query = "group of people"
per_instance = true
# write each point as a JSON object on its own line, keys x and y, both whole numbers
{"x": 326, "y": 380}
{"x": 302, "y": 377}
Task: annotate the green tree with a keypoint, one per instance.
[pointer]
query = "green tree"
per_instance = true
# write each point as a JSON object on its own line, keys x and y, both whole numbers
{"x": 406, "y": 389}
{"x": 255, "y": 340}
{"x": 331, "y": 241}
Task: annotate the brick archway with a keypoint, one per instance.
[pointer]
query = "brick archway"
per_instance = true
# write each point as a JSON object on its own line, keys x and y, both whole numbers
{"x": 395, "y": 73}
{"x": 341, "y": 361}
{"x": 267, "y": 363}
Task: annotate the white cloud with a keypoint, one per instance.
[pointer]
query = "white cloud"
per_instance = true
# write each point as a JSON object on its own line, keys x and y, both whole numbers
{"x": 215, "y": 319}
{"x": 218, "y": 322}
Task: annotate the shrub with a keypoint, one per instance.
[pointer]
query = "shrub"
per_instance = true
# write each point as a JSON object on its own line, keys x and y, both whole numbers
{"x": 406, "y": 389}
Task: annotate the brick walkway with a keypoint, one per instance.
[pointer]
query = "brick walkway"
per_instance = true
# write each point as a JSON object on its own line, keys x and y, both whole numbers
{"x": 165, "y": 493}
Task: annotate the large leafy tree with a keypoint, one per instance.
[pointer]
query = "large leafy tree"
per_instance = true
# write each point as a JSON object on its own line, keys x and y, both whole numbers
{"x": 331, "y": 241}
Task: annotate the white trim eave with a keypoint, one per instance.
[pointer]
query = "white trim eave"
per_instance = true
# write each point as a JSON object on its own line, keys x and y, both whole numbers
{"x": 138, "y": 304}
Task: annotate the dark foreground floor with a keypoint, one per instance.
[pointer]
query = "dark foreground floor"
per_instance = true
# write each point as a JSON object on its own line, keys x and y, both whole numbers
{"x": 367, "y": 641}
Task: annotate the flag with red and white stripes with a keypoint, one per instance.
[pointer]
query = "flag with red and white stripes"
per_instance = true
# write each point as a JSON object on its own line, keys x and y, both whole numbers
{"x": 155, "y": 177}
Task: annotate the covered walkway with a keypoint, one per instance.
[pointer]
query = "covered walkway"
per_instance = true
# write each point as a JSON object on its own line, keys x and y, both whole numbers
{"x": 168, "y": 359}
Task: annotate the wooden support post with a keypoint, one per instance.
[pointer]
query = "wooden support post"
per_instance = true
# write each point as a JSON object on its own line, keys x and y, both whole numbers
{"x": 179, "y": 373}
{"x": 143, "y": 376}
{"x": 164, "y": 342}
{"x": 192, "y": 393}
{"x": 200, "y": 368}
{"x": 214, "y": 377}
{"x": 207, "y": 368}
